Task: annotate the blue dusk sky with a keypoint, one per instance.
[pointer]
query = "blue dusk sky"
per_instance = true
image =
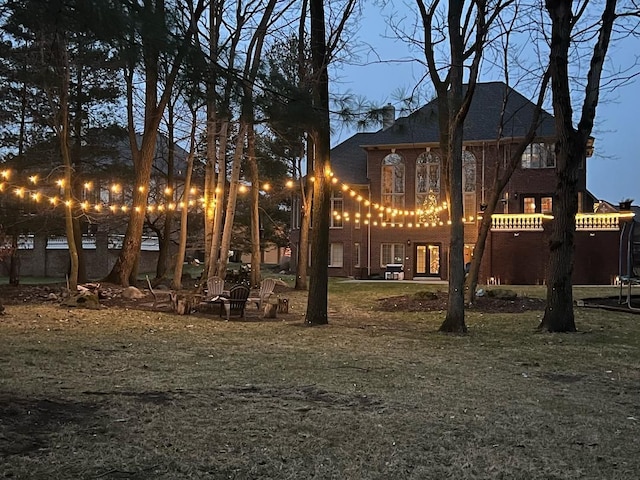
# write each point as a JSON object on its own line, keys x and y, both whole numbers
{"x": 613, "y": 172}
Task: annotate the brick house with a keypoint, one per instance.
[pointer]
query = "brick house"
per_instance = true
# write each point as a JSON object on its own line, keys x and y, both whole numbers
{"x": 388, "y": 216}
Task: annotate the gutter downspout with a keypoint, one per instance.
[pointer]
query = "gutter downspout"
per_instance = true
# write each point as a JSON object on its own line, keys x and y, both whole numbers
{"x": 483, "y": 158}
{"x": 369, "y": 234}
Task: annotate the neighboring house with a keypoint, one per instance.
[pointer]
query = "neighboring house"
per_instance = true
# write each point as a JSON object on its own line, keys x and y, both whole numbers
{"x": 105, "y": 178}
{"x": 387, "y": 203}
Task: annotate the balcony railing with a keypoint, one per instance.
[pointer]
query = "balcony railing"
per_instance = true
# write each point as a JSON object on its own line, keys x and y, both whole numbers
{"x": 597, "y": 221}
{"x": 534, "y": 221}
{"x": 518, "y": 221}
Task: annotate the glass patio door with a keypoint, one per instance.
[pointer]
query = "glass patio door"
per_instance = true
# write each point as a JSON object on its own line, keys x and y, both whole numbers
{"x": 427, "y": 260}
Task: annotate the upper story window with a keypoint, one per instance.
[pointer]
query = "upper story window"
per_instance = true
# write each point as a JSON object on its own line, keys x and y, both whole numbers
{"x": 529, "y": 205}
{"x": 336, "y": 209}
{"x": 393, "y": 181}
{"x": 539, "y": 155}
{"x": 537, "y": 204}
{"x": 427, "y": 176}
{"x": 469, "y": 185}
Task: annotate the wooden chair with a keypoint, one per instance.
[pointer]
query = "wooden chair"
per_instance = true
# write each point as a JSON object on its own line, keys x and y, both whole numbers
{"x": 215, "y": 287}
{"x": 235, "y": 302}
{"x": 266, "y": 289}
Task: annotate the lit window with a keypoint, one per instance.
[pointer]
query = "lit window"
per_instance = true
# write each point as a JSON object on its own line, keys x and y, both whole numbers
{"x": 336, "y": 209}
{"x": 529, "y": 205}
{"x": 546, "y": 204}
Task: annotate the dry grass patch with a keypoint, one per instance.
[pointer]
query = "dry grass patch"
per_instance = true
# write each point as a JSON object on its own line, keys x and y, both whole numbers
{"x": 124, "y": 393}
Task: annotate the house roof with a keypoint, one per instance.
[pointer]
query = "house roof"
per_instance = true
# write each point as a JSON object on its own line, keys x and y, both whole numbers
{"x": 482, "y": 122}
{"x": 105, "y": 150}
{"x": 421, "y": 127}
{"x": 349, "y": 159}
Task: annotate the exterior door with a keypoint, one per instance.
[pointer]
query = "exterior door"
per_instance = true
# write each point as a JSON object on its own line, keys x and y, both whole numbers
{"x": 427, "y": 260}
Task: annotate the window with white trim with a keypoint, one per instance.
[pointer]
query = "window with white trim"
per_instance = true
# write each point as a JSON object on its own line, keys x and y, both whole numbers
{"x": 295, "y": 213}
{"x": 337, "y": 209}
{"x": 427, "y": 178}
{"x": 539, "y": 155}
{"x": 469, "y": 185}
{"x": 391, "y": 253}
{"x": 336, "y": 255}
{"x": 356, "y": 254}
{"x": 393, "y": 183}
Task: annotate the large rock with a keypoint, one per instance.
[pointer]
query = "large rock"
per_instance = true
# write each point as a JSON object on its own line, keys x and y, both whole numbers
{"x": 82, "y": 300}
{"x": 132, "y": 293}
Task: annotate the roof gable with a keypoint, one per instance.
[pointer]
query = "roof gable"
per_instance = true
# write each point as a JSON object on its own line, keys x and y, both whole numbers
{"x": 349, "y": 158}
{"x": 482, "y": 122}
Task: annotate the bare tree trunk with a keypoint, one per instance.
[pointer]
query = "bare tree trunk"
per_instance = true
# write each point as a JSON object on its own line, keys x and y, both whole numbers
{"x": 125, "y": 269}
{"x": 184, "y": 213}
{"x": 453, "y": 106}
{"x": 216, "y": 234}
{"x": 500, "y": 180}
{"x": 14, "y": 262}
{"x": 454, "y": 320}
{"x": 317, "y": 304}
{"x": 169, "y": 197}
{"x": 305, "y": 221}
{"x": 570, "y": 152}
{"x": 255, "y": 212}
{"x": 230, "y": 213}
{"x": 215, "y": 21}
{"x": 77, "y": 186}
{"x": 61, "y": 126}
{"x": 303, "y": 246}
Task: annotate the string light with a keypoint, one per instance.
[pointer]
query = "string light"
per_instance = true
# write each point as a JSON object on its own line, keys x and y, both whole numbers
{"x": 387, "y": 216}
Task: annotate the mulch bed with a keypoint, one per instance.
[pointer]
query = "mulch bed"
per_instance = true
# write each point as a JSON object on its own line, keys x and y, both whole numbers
{"x": 427, "y": 301}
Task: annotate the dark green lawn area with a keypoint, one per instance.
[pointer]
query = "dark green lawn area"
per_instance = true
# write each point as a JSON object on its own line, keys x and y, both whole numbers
{"x": 139, "y": 394}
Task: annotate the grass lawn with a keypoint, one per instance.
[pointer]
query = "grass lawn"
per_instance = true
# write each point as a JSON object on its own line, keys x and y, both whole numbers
{"x": 126, "y": 393}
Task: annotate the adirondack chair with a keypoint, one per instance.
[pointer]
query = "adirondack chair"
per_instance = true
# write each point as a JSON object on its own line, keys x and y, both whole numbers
{"x": 235, "y": 302}
{"x": 266, "y": 289}
{"x": 215, "y": 287}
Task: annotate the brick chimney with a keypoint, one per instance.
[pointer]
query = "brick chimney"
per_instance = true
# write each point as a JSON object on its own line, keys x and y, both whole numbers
{"x": 388, "y": 116}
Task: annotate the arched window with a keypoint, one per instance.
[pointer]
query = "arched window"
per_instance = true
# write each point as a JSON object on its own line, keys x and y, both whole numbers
{"x": 427, "y": 187}
{"x": 393, "y": 180}
{"x": 469, "y": 184}
{"x": 427, "y": 176}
